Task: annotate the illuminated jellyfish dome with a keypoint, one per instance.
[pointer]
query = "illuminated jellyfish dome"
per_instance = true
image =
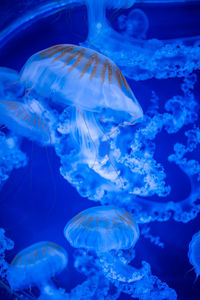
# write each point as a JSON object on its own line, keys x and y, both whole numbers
{"x": 103, "y": 229}
{"x": 35, "y": 266}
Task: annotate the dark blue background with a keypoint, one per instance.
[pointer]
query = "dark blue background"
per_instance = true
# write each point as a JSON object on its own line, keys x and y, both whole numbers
{"x": 36, "y": 202}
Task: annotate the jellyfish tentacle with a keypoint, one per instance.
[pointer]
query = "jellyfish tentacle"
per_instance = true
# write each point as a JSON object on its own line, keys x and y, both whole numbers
{"x": 88, "y": 130}
{"x": 115, "y": 269}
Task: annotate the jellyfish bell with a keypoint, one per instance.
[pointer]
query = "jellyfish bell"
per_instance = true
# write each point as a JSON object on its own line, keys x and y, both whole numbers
{"x": 106, "y": 230}
{"x": 35, "y": 266}
{"x": 78, "y": 76}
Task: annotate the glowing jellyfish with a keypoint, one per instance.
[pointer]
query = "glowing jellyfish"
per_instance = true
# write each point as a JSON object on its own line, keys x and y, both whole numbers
{"x": 94, "y": 93}
{"x": 106, "y": 230}
{"x": 35, "y": 266}
{"x": 136, "y": 24}
{"x": 194, "y": 253}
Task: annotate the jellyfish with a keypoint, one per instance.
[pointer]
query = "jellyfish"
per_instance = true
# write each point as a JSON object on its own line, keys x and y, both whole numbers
{"x": 82, "y": 122}
{"x": 94, "y": 95}
{"x": 106, "y": 230}
{"x": 135, "y": 24}
{"x": 193, "y": 253}
{"x": 35, "y": 266}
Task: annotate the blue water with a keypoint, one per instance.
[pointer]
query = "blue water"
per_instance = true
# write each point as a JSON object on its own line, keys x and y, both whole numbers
{"x": 36, "y": 201}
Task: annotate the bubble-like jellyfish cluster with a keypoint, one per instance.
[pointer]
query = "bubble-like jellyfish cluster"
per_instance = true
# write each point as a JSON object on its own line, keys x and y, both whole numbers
{"x": 76, "y": 100}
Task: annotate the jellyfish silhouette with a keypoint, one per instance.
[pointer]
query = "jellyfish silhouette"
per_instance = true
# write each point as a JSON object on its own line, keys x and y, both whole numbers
{"x": 106, "y": 230}
{"x": 193, "y": 253}
{"x": 92, "y": 90}
{"x": 135, "y": 25}
{"x": 35, "y": 265}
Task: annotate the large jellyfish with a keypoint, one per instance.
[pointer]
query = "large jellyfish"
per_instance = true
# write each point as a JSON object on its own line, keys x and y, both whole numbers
{"x": 35, "y": 266}
{"x": 94, "y": 95}
{"x": 106, "y": 230}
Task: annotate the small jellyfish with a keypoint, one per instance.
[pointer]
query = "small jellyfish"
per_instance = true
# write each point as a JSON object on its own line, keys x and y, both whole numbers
{"x": 194, "y": 253}
{"x": 35, "y": 266}
{"x": 106, "y": 230}
{"x": 135, "y": 25}
{"x": 97, "y": 16}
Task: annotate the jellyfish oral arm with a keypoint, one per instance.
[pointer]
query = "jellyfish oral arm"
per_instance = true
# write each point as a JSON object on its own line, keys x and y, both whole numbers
{"x": 114, "y": 269}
